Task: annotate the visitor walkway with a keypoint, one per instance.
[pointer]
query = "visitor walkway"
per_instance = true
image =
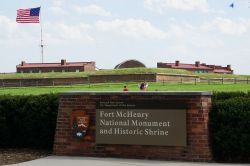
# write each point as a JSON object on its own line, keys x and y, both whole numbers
{"x": 94, "y": 161}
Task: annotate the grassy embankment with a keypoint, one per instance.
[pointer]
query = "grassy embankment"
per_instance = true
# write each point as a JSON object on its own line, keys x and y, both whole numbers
{"x": 85, "y": 74}
{"x": 116, "y": 71}
{"x": 119, "y": 86}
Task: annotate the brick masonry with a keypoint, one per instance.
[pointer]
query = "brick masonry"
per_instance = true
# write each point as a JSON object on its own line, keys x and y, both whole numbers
{"x": 197, "y": 106}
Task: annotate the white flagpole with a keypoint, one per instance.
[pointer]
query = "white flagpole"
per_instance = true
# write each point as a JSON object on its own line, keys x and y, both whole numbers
{"x": 42, "y": 45}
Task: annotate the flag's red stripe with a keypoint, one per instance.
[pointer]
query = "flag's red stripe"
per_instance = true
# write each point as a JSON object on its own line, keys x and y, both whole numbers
{"x": 27, "y": 21}
{"x": 22, "y": 14}
{"x": 28, "y": 17}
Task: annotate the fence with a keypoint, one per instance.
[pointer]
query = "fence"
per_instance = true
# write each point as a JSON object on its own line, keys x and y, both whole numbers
{"x": 162, "y": 78}
{"x": 42, "y": 82}
{"x": 209, "y": 81}
{"x": 224, "y": 80}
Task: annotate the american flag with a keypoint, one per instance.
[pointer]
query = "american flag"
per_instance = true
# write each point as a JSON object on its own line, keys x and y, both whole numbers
{"x": 28, "y": 15}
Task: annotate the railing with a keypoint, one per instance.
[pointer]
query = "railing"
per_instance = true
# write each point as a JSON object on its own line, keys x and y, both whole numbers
{"x": 195, "y": 81}
{"x": 209, "y": 81}
{"x": 225, "y": 80}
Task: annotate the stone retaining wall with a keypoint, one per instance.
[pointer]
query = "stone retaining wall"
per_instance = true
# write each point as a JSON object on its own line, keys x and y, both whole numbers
{"x": 162, "y": 77}
{"x": 153, "y": 77}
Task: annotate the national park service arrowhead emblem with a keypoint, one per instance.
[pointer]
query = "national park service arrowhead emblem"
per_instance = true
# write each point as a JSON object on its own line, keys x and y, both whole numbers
{"x": 79, "y": 122}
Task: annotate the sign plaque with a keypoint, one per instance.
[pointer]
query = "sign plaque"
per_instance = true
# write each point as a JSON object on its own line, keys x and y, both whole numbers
{"x": 131, "y": 123}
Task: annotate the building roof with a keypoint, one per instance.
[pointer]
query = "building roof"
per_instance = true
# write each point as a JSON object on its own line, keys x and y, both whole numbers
{"x": 197, "y": 66}
{"x": 131, "y": 63}
{"x": 188, "y": 66}
{"x": 54, "y": 65}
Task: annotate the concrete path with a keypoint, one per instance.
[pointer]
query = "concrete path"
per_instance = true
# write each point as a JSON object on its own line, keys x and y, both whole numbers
{"x": 94, "y": 161}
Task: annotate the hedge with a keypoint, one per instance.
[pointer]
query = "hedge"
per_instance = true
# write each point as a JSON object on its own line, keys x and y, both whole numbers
{"x": 229, "y": 95}
{"x": 230, "y": 128}
{"x": 28, "y": 121}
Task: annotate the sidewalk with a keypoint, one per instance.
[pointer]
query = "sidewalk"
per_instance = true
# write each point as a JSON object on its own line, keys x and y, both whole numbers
{"x": 94, "y": 161}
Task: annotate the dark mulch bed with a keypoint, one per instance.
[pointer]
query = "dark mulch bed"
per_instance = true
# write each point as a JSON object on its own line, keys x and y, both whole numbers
{"x": 12, "y": 156}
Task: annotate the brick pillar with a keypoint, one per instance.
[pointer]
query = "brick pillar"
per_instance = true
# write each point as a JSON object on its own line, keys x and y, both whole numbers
{"x": 197, "y": 128}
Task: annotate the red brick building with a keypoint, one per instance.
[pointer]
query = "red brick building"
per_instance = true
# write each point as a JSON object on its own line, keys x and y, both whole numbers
{"x": 197, "y": 67}
{"x": 55, "y": 67}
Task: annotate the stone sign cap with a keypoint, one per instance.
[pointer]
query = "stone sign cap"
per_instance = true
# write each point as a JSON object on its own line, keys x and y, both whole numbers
{"x": 167, "y": 93}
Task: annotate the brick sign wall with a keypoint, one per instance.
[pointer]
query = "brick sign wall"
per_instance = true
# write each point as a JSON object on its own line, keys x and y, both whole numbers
{"x": 150, "y": 125}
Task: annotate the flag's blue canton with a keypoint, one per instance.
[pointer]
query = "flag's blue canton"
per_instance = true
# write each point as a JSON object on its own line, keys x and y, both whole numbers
{"x": 34, "y": 11}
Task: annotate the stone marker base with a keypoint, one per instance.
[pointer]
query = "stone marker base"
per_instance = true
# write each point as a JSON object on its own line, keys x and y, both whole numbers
{"x": 196, "y": 104}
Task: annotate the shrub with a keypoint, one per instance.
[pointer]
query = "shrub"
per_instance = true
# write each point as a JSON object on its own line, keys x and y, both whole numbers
{"x": 28, "y": 121}
{"x": 228, "y": 95}
{"x": 230, "y": 128}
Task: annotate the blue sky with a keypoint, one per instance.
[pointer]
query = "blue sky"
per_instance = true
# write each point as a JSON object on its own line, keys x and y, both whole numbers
{"x": 112, "y": 31}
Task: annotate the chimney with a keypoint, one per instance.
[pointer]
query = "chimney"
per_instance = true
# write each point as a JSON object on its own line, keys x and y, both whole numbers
{"x": 197, "y": 63}
{"x": 22, "y": 63}
{"x": 177, "y": 63}
{"x": 228, "y": 67}
{"x": 63, "y": 62}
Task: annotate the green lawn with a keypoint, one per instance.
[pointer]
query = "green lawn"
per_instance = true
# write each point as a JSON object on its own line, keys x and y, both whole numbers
{"x": 98, "y": 72}
{"x": 119, "y": 87}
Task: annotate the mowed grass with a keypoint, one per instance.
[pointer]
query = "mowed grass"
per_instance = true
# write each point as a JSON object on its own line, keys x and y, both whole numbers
{"x": 97, "y": 72}
{"x": 119, "y": 87}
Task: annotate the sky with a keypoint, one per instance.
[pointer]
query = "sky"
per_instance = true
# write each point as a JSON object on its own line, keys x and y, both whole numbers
{"x": 112, "y": 31}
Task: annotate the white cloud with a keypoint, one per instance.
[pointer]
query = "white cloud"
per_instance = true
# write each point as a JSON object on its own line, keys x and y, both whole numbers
{"x": 69, "y": 32}
{"x": 63, "y": 33}
{"x": 92, "y": 10}
{"x": 57, "y": 2}
{"x": 131, "y": 27}
{"x": 7, "y": 27}
{"x": 228, "y": 26}
{"x": 162, "y": 5}
{"x": 57, "y": 7}
{"x": 57, "y": 10}
{"x": 185, "y": 35}
{"x": 16, "y": 34}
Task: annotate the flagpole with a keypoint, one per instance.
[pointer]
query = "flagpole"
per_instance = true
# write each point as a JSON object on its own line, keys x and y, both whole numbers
{"x": 41, "y": 34}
